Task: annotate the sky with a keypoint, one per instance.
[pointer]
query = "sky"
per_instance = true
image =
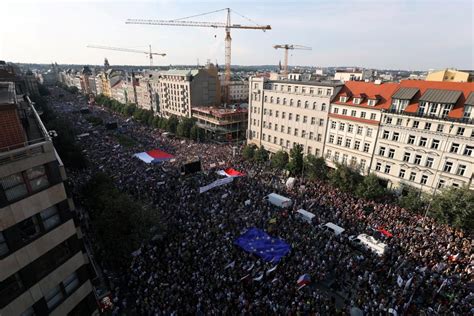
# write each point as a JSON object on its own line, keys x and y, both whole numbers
{"x": 382, "y": 34}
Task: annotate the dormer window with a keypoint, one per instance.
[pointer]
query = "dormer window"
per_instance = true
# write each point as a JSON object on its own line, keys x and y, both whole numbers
{"x": 356, "y": 100}
{"x": 343, "y": 99}
{"x": 372, "y": 102}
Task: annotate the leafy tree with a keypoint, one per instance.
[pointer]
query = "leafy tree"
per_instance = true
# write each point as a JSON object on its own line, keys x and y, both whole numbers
{"x": 315, "y": 167}
{"x": 454, "y": 206}
{"x": 280, "y": 159}
{"x": 197, "y": 133}
{"x": 73, "y": 89}
{"x": 412, "y": 199}
{"x": 156, "y": 121}
{"x": 172, "y": 124}
{"x": 130, "y": 109}
{"x": 249, "y": 151}
{"x": 370, "y": 188}
{"x": 184, "y": 127}
{"x": 345, "y": 178}
{"x": 261, "y": 154}
{"x": 295, "y": 166}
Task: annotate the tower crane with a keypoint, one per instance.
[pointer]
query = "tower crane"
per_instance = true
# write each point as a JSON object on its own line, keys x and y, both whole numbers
{"x": 149, "y": 53}
{"x": 227, "y": 26}
{"x": 286, "y": 47}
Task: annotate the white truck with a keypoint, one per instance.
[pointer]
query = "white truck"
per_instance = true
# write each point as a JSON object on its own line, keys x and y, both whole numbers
{"x": 369, "y": 243}
{"x": 305, "y": 215}
{"x": 278, "y": 200}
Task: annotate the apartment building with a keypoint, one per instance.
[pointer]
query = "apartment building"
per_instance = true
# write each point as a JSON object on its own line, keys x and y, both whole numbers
{"x": 353, "y": 123}
{"x": 283, "y": 113}
{"x": 181, "y": 90}
{"x": 450, "y": 75}
{"x": 222, "y": 124}
{"x": 44, "y": 269}
{"x": 118, "y": 90}
{"x": 345, "y": 75}
{"x": 426, "y": 137}
{"x": 238, "y": 90}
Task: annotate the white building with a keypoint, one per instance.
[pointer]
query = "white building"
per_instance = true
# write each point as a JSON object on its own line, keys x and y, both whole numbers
{"x": 352, "y": 74}
{"x": 285, "y": 113}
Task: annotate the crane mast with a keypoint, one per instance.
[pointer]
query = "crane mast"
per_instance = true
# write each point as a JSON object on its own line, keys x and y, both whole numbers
{"x": 287, "y": 47}
{"x": 228, "y": 39}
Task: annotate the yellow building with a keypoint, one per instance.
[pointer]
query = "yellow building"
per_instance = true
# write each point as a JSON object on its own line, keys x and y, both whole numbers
{"x": 449, "y": 75}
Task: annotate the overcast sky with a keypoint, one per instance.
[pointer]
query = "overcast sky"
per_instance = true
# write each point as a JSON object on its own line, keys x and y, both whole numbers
{"x": 393, "y": 34}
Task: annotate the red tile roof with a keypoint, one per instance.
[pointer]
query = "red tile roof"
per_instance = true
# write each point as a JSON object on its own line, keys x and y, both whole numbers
{"x": 356, "y": 88}
{"x": 457, "y": 112}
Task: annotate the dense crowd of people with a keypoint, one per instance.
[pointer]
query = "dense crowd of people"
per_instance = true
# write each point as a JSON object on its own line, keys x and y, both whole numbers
{"x": 197, "y": 268}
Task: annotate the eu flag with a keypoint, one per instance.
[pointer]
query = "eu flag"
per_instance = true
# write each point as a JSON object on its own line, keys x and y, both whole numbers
{"x": 258, "y": 242}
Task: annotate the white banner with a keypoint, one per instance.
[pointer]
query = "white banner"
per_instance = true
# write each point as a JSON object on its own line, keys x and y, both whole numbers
{"x": 214, "y": 184}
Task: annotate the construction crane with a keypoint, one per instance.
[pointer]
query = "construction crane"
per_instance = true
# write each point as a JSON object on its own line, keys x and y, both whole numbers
{"x": 149, "y": 53}
{"x": 227, "y": 26}
{"x": 286, "y": 47}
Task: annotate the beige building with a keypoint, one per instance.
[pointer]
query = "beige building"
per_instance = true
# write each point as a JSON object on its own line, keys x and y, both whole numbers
{"x": 238, "y": 90}
{"x": 353, "y": 74}
{"x": 44, "y": 269}
{"x": 181, "y": 90}
{"x": 426, "y": 136}
{"x": 284, "y": 113}
{"x": 449, "y": 75}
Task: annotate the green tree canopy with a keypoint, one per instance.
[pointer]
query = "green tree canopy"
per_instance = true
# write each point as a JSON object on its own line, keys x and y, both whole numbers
{"x": 295, "y": 166}
{"x": 196, "y": 133}
{"x": 345, "y": 178}
{"x": 172, "y": 124}
{"x": 315, "y": 167}
{"x": 370, "y": 188}
{"x": 454, "y": 206}
{"x": 413, "y": 199}
{"x": 184, "y": 127}
{"x": 261, "y": 154}
{"x": 280, "y": 159}
{"x": 249, "y": 151}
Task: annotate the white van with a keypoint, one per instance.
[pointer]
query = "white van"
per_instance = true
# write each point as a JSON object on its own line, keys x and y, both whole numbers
{"x": 333, "y": 228}
{"x": 370, "y": 243}
{"x": 305, "y": 215}
{"x": 278, "y": 200}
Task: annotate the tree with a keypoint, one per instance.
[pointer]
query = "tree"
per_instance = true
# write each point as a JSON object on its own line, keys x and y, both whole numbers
{"x": 370, "y": 188}
{"x": 249, "y": 151}
{"x": 454, "y": 206}
{"x": 280, "y": 159}
{"x": 184, "y": 127}
{"x": 345, "y": 178}
{"x": 196, "y": 133}
{"x": 295, "y": 166}
{"x": 73, "y": 89}
{"x": 172, "y": 124}
{"x": 315, "y": 167}
{"x": 261, "y": 154}
{"x": 412, "y": 199}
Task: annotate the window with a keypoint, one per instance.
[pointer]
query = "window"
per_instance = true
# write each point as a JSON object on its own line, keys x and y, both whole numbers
{"x": 353, "y": 113}
{"x": 297, "y": 118}
{"x": 344, "y": 111}
{"x": 348, "y": 143}
{"x": 399, "y": 121}
{"x": 296, "y": 132}
{"x": 435, "y": 144}
{"x": 319, "y": 137}
{"x": 461, "y": 170}
{"x": 395, "y": 136}
{"x": 362, "y": 165}
{"x": 460, "y": 131}
{"x": 50, "y": 218}
{"x": 306, "y": 104}
{"x": 401, "y": 174}
{"x": 281, "y": 141}
{"x": 333, "y": 125}
{"x": 441, "y": 183}
{"x": 282, "y": 128}
{"x": 342, "y": 126}
{"x": 381, "y": 151}
{"x": 427, "y": 126}
{"x": 323, "y": 107}
{"x": 71, "y": 283}
{"x": 378, "y": 166}
{"x": 359, "y": 130}
{"x": 277, "y": 113}
{"x": 287, "y": 144}
{"x": 291, "y": 102}
{"x": 385, "y": 134}
{"x": 417, "y": 159}
{"x": 3, "y": 245}
{"x": 288, "y": 130}
{"x": 331, "y": 139}
{"x": 305, "y": 119}
{"x": 29, "y": 228}
{"x": 423, "y": 141}
{"x": 284, "y": 101}
{"x": 336, "y": 110}
{"x": 28, "y": 312}
{"x": 274, "y": 139}
{"x": 283, "y": 115}
{"x": 314, "y": 105}
{"x": 276, "y": 127}
{"x": 54, "y": 297}
{"x": 369, "y": 132}
{"x": 356, "y": 101}
{"x": 362, "y": 114}
{"x": 328, "y": 154}
{"x": 387, "y": 168}
{"x": 468, "y": 150}
{"x": 391, "y": 153}
{"x": 411, "y": 139}
{"x": 373, "y": 116}
{"x": 416, "y": 124}
{"x": 448, "y": 166}
{"x": 429, "y": 162}
{"x": 342, "y": 99}
{"x": 339, "y": 140}
{"x": 406, "y": 157}
{"x": 290, "y": 116}
{"x": 353, "y": 161}
{"x": 271, "y": 99}
{"x": 328, "y": 91}
{"x": 313, "y": 120}
{"x": 266, "y": 98}
{"x": 356, "y": 145}
{"x": 310, "y": 150}
{"x": 278, "y": 100}
{"x": 344, "y": 158}
{"x": 350, "y": 128}
{"x": 424, "y": 179}
{"x": 298, "y": 104}
{"x": 11, "y": 287}
{"x": 454, "y": 148}
{"x": 366, "y": 147}
{"x": 388, "y": 120}
{"x": 440, "y": 128}
{"x": 336, "y": 156}
{"x": 321, "y": 122}
{"x": 412, "y": 176}
{"x": 14, "y": 186}
{"x": 311, "y": 135}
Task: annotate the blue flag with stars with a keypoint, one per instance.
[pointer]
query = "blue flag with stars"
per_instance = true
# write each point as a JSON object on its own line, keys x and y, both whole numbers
{"x": 258, "y": 242}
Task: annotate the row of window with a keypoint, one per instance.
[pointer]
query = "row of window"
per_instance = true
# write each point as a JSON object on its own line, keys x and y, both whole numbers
{"x": 298, "y": 89}
{"x": 287, "y": 144}
{"x": 363, "y": 114}
{"x": 24, "y": 183}
{"x": 348, "y": 143}
{"x": 344, "y": 159}
{"x": 288, "y": 130}
{"x": 290, "y": 117}
{"x": 350, "y": 128}
{"x": 291, "y": 102}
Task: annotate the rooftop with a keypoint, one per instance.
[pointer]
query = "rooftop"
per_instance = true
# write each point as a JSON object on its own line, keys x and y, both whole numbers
{"x": 309, "y": 83}
{"x": 220, "y": 112}
{"x": 361, "y": 89}
{"x": 7, "y": 93}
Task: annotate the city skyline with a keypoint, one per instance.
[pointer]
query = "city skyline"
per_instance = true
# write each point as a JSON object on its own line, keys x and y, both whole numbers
{"x": 357, "y": 33}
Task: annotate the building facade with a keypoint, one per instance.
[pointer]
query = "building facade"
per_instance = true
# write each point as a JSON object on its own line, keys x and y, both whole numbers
{"x": 44, "y": 268}
{"x": 352, "y": 74}
{"x": 222, "y": 124}
{"x": 285, "y": 113}
{"x": 450, "y": 75}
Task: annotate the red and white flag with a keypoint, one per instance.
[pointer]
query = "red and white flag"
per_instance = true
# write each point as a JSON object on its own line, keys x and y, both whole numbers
{"x": 230, "y": 172}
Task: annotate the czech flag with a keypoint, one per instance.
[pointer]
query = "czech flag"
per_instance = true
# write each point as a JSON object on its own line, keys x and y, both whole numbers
{"x": 153, "y": 156}
{"x": 304, "y": 279}
{"x": 385, "y": 232}
{"x": 230, "y": 172}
